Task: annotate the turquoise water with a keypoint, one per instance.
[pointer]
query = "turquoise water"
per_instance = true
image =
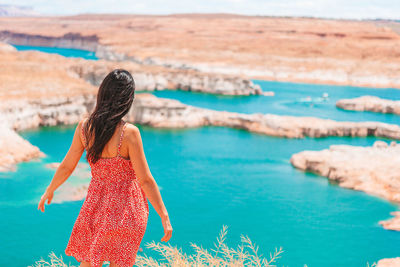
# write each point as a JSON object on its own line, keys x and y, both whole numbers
{"x": 293, "y": 99}
{"x": 66, "y": 52}
{"x": 239, "y": 179}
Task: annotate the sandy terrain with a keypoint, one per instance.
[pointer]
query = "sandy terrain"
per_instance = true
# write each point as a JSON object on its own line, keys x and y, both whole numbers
{"x": 288, "y": 49}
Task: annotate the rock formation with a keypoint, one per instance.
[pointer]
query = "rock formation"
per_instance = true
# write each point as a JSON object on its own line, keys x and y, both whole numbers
{"x": 159, "y": 112}
{"x": 158, "y": 78}
{"x": 14, "y": 149}
{"x": 77, "y": 72}
{"x": 374, "y": 170}
{"x": 393, "y": 223}
{"x": 4, "y": 47}
{"x": 62, "y": 90}
{"x": 314, "y": 50}
{"x": 29, "y": 114}
{"x": 40, "y": 89}
{"x": 150, "y": 110}
{"x": 370, "y": 103}
{"x": 168, "y": 113}
{"x": 394, "y": 262}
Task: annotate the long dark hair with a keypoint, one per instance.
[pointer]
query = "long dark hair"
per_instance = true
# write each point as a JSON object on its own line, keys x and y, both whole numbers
{"x": 114, "y": 100}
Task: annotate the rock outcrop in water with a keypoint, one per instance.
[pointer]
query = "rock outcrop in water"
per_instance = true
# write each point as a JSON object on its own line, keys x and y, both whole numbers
{"x": 4, "y": 47}
{"x": 150, "y": 110}
{"x": 370, "y": 103}
{"x": 14, "y": 149}
{"x": 68, "y": 40}
{"x": 159, "y": 112}
{"x": 374, "y": 170}
{"x": 29, "y": 114}
{"x": 394, "y": 262}
{"x": 168, "y": 113}
{"x": 314, "y": 51}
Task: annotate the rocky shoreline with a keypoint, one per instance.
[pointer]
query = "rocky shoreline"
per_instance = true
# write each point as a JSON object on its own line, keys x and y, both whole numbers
{"x": 374, "y": 170}
{"x": 148, "y": 77}
{"x": 168, "y": 113}
{"x": 156, "y": 79}
{"x": 393, "y": 262}
{"x": 14, "y": 149}
{"x": 370, "y": 103}
{"x": 160, "y": 112}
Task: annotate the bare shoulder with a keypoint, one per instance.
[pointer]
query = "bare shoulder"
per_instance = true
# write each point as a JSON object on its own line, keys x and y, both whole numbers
{"x": 82, "y": 121}
{"x": 80, "y": 124}
{"x": 79, "y": 131}
{"x": 132, "y": 133}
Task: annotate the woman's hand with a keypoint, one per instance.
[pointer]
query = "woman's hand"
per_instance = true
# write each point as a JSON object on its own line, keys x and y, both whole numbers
{"x": 167, "y": 229}
{"x": 48, "y": 195}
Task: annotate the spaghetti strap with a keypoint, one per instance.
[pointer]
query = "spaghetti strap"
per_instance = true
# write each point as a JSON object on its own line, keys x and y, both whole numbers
{"x": 120, "y": 138}
{"x": 83, "y": 134}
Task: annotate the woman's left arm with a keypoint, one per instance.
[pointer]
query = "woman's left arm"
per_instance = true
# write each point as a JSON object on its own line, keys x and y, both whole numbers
{"x": 66, "y": 167}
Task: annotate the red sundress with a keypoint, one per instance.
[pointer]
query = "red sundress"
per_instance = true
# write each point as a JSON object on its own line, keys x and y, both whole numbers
{"x": 113, "y": 218}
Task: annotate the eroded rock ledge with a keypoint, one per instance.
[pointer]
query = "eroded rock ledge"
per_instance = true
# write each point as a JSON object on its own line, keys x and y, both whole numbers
{"x": 160, "y": 112}
{"x": 374, "y": 170}
{"x": 14, "y": 149}
{"x": 315, "y": 50}
{"x": 393, "y": 262}
{"x": 370, "y": 103}
{"x": 148, "y": 75}
{"x": 152, "y": 79}
{"x": 163, "y": 112}
{"x": 68, "y": 40}
{"x": 168, "y": 113}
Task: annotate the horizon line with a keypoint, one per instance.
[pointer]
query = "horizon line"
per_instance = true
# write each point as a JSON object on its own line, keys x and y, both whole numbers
{"x": 227, "y": 14}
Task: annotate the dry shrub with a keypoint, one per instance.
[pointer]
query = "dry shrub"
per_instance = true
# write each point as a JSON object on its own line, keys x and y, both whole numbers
{"x": 246, "y": 254}
{"x": 54, "y": 262}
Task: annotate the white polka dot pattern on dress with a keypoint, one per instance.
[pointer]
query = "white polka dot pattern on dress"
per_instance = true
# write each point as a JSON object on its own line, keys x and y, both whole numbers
{"x": 113, "y": 218}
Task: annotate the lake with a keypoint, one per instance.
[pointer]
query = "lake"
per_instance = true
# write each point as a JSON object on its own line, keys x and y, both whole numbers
{"x": 214, "y": 176}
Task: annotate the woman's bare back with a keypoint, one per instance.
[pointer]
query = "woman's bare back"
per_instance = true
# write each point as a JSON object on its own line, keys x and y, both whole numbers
{"x": 111, "y": 148}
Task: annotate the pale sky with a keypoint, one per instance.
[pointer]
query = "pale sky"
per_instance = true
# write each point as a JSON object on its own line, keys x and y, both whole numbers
{"x": 355, "y": 9}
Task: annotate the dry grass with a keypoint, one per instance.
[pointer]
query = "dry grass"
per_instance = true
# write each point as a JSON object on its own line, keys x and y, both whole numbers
{"x": 246, "y": 254}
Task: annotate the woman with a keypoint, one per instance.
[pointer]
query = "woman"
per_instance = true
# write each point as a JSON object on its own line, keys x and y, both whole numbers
{"x": 113, "y": 217}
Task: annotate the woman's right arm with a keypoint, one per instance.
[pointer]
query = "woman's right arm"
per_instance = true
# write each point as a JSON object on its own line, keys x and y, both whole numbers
{"x": 145, "y": 178}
